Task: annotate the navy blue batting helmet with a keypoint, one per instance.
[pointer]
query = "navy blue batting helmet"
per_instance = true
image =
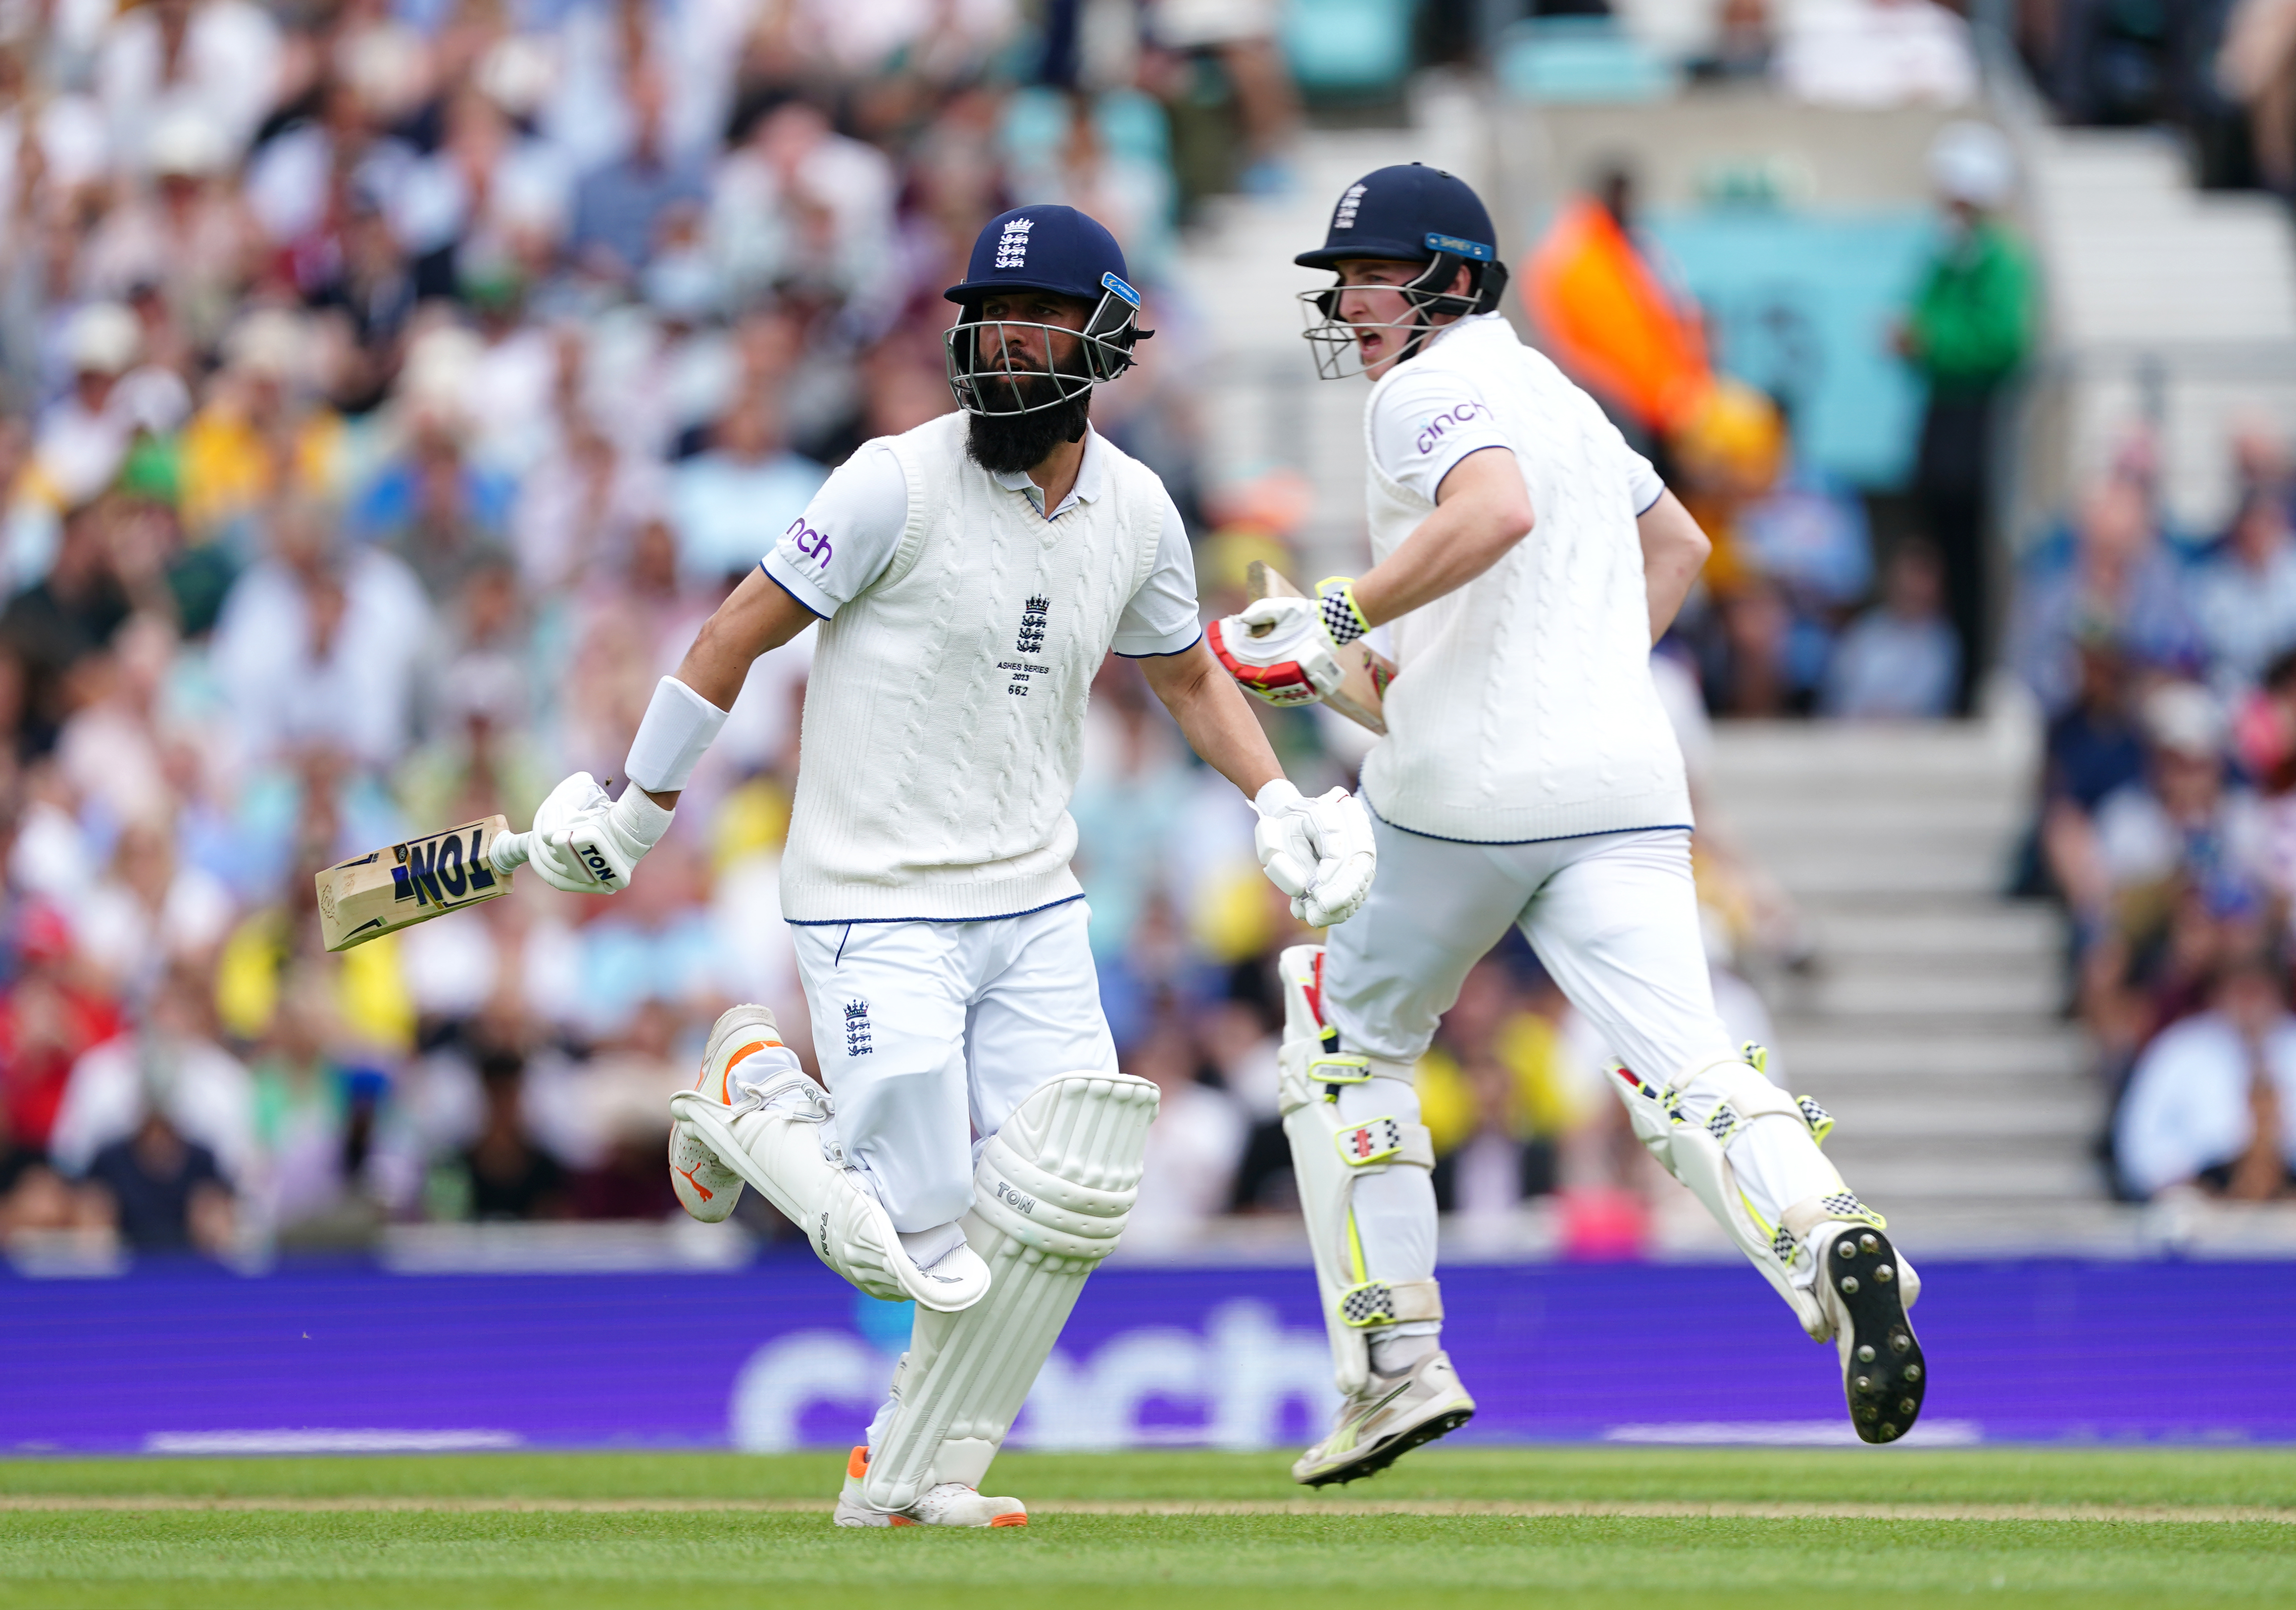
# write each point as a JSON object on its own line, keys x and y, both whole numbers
{"x": 1044, "y": 248}
{"x": 1047, "y": 248}
{"x": 1409, "y": 212}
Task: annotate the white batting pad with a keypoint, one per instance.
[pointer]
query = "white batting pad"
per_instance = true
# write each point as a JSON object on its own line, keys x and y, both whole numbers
{"x": 1688, "y": 1127}
{"x": 1329, "y": 1155}
{"x": 1050, "y": 1195}
{"x": 780, "y": 1139}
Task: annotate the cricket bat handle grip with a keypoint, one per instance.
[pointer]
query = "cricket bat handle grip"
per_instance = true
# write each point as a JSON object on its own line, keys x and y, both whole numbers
{"x": 510, "y": 852}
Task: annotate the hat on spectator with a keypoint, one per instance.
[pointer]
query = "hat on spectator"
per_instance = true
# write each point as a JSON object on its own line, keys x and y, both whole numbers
{"x": 102, "y": 338}
{"x": 2185, "y": 718}
{"x": 1972, "y": 163}
{"x": 184, "y": 145}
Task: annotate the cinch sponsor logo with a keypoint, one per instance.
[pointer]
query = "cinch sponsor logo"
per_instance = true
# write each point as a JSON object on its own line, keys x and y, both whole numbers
{"x": 814, "y": 544}
{"x": 1441, "y": 425}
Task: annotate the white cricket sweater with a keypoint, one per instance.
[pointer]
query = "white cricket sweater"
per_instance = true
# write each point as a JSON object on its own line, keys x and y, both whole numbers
{"x": 944, "y": 714}
{"x": 1523, "y": 706}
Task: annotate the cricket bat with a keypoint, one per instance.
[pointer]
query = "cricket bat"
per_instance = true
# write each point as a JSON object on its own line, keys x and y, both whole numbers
{"x": 1360, "y": 693}
{"x": 388, "y": 889}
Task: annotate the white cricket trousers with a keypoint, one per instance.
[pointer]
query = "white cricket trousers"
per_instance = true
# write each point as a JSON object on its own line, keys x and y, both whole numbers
{"x": 1613, "y": 918}
{"x": 930, "y": 1031}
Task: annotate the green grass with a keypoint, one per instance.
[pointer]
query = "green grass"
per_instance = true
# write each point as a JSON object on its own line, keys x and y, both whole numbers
{"x": 444, "y": 1560}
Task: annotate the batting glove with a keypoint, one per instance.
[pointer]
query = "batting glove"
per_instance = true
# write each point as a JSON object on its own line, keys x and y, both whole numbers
{"x": 1318, "y": 851}
{"x": 584, "y": 846}
{"x": 1280, "y": 649}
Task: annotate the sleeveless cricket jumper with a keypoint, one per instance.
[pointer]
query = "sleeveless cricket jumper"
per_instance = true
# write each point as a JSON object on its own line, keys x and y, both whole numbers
{"x": 939, "y": 932}
{"x": 944, "y": 718}
{"x": 1527, "y": 711}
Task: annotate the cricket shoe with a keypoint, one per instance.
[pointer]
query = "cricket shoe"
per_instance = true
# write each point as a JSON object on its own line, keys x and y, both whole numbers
{"x": 706, "y": 1188}
{"x": 1865, "y": 1287}
{"x": 1386, "y": 1420}
{"x": 944, "y": 1504}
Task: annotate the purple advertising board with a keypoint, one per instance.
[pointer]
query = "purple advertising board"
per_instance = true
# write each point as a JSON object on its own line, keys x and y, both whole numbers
{"x": 780, "y": 1353}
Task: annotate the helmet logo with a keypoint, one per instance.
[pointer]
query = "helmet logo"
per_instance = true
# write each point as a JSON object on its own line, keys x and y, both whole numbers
{"x": 1013, "y": 246}
{"x": 1344, "y": 215}
{"x": 1109, "y": 282}
{"x": 1474, "y": 251}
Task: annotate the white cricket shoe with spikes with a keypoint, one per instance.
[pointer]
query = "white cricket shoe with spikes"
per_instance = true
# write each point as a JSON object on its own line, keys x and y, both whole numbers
{"x": 944, "y": 1504}
{"x": 1392, "y": 1414}
{"x": 706, "y": 1188}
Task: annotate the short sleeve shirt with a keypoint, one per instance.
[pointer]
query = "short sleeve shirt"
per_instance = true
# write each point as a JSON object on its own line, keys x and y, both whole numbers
{"x": 847, "y": 536}
{"x": 1424, "y": 422}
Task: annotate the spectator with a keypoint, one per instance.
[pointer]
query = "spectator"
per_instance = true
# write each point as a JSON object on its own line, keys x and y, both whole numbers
{"x": 1241, "y": 34}
{"x": 1899, "y": 659}
{"x": 1499, "y": 1090}
{"x": 1194, "y": 1146}
{"x": 1878, "y": 53}
{"x": 2244, "y": 597}
{"x": 748, "y": 483}
{"x": 619, "y": 211}
{"x": 2183, "y": 821}
{"x": 2112, "y": 580}
{"x": 169, "y": 1069}
{"x": 2258, "y": 65}
{"x": 2212, "y": 1104}
{"x": 1969, "y": 331}
{"x": 160, "y": 1191}
{"x": 505, "y": 1174}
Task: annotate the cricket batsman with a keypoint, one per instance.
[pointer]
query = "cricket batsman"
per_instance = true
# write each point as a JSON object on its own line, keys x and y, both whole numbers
{"x": 1525, "y": 559}
{"x": 970, "y": 576}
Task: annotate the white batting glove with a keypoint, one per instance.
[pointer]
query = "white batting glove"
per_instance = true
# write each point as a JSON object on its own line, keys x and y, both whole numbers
{"x": 584, "y": 846}
{"x": 1292, "y": 660}
{"x": 1318, "y": 851}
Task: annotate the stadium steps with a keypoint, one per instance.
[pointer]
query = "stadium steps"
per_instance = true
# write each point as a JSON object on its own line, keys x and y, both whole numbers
{"x": 1930, "y": 1024}
{"x": 2168, "y": 306}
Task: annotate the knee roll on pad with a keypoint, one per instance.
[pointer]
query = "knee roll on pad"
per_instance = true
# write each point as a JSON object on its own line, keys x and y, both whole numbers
{"x": 1688, "y": 1126}
{"x": 1050, "y": 1194}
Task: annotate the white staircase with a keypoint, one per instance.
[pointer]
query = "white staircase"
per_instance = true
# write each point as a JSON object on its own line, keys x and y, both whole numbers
{"x": 1929, "y": 1025}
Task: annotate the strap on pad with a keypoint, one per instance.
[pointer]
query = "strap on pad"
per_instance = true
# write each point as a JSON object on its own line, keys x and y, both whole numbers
{"x": 1390, "y": 1302}
{"x": 1378, "y": 1140}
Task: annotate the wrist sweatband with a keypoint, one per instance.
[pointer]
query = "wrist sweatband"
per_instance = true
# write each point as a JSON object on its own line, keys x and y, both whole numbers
{"x": 678, "y": 728}
{"x": 639, "y": 817}
{"x": 1276, "y": 796}
{"x": 1336, "y": 597}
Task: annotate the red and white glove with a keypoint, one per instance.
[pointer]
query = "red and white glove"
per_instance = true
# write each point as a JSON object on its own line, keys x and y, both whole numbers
{"x": 1279, "y": 650}
{"x": 1319, "y": 851}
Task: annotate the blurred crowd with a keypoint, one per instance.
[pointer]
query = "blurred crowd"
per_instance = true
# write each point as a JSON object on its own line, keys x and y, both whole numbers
{"x": 2165, "y": 660}
{"x": 2223, "y": 71}
{"x": 387, "y": 389}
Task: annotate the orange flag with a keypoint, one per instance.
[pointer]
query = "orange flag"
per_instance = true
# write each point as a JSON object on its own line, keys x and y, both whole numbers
{"x": 1608, "y": 320}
